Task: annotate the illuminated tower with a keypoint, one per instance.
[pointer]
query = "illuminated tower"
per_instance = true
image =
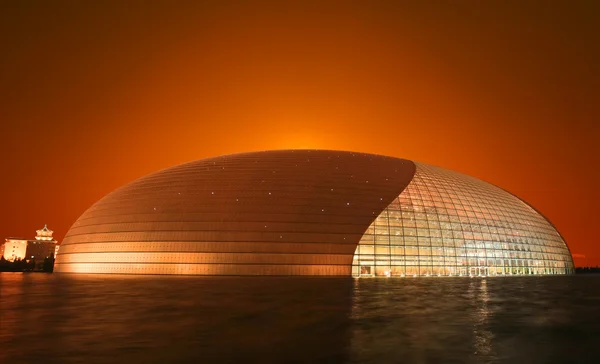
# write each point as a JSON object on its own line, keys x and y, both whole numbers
{"x": 44, "y": 245}
{"x": 44, "y": 234}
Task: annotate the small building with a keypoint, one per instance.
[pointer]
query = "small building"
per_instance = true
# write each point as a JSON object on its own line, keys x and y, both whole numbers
{"x": 43, "y": 246}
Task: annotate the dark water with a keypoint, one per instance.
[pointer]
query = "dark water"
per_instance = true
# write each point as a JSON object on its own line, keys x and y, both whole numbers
{"x": 107, "y": 319}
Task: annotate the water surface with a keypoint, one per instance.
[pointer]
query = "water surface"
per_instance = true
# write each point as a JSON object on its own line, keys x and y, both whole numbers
{"x": 54, "y": 318}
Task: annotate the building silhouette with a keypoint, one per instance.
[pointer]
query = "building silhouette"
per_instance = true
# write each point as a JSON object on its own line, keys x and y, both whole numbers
{"x": 312, "y": 212}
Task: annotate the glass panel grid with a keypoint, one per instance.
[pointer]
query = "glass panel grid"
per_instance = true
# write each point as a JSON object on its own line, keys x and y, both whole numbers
{"x": 449, "y": 224}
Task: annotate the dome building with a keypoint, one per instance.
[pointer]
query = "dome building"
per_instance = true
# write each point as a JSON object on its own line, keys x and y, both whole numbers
{"x": 312, "y": 212}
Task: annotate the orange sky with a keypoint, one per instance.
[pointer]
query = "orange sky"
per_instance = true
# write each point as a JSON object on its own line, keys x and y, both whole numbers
{"x": 94, "y": 96}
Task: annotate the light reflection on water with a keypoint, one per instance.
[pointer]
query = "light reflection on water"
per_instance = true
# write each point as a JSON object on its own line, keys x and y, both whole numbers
{"x": 114, "y": 319}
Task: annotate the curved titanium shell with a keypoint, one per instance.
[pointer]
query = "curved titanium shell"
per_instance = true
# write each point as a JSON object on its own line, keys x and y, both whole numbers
{"x": 297, "y": 212}
{"x": 312, "y": 212}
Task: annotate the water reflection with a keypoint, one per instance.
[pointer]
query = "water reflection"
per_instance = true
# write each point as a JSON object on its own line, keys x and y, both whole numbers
{"x": 148, "y": 319}
{"x": 98, "y": 319}
{"x": 481, "y": 332}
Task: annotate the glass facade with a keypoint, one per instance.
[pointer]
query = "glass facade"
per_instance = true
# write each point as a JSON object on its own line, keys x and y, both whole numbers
{"x": 449, "y": 224}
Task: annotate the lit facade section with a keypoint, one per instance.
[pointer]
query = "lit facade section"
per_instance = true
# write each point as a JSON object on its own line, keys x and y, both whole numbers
{"x": 15, "y": 248}
{"x": 449, "y": 224}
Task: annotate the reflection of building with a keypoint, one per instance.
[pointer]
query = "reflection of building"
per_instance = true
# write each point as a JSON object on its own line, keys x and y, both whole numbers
{"x": 309, "y": 212}
{"x": 43, "y": 246}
